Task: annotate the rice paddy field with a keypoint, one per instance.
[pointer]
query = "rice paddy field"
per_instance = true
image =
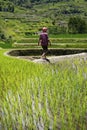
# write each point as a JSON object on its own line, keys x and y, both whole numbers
{"x": 43, "y": 97}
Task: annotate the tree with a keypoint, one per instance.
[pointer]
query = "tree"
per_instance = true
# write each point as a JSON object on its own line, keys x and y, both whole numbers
{"x": 11, "y": 8}
{"x": 77, "y": 25}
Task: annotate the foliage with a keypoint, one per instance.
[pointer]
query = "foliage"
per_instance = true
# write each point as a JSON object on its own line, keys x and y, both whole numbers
{"x": 6, "y": 6}
{"x": 55, "y": 30}
{"x": 77, "y": 25}
{"x": 28, "y": 18}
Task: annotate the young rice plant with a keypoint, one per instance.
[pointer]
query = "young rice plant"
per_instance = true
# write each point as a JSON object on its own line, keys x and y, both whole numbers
{"x": 42, "y": 97}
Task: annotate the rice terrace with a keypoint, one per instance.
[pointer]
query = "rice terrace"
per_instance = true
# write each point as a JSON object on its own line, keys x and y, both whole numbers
{"x": 43, "y": 93}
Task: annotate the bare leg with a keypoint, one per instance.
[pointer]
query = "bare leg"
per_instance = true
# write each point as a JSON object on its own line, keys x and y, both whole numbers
{"x": 45, "y": 50}
{"x": 44, "y": 55}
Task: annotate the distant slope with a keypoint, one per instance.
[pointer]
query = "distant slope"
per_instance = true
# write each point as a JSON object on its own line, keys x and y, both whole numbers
{"x": 23, "y": 18}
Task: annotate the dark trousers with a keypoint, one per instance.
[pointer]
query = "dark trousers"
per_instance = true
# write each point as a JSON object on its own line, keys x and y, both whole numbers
{"x": 45, "y": 49}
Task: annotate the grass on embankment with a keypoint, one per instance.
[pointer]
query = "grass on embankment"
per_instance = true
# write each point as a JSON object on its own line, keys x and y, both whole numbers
{"x": 43, "y": 96}
{"x": 57, "y": 41}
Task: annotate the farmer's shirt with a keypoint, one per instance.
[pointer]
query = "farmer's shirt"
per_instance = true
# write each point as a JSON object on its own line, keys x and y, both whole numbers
{"x": 44, "y": 39}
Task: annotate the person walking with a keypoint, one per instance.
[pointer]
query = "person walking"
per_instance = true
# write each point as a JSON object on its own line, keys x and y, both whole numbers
{"x": 44, "y": 41}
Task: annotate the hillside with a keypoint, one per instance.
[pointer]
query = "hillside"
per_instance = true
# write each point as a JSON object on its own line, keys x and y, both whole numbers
{"x": 23, "y": 18}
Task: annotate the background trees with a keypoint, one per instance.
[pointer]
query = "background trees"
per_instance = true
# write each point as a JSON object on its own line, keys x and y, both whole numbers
{"x": 6, "y": 6}
{"x": 77, "y": 25}
{"x": 21, "y": 18}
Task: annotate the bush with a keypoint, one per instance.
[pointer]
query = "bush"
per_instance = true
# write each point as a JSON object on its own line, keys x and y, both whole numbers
{"x": 77, "y": 25}
{"x": 2, "y": 36}
{"x": 57, "y": 30}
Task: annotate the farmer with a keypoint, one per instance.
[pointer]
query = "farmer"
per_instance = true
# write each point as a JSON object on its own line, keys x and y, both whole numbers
{"x": 44, "y": 41}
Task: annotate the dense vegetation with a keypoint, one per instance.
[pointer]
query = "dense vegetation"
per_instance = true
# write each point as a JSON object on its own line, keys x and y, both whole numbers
{"x": 23, "y": 18}
{"x": 49, "y": 96}
{"x": 42, "y": 97}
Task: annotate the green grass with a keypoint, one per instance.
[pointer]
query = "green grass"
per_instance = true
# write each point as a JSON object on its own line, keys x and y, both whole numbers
{"x": 5, "y": 45}
{"x": 59, "y": 41}
{"x": 69, "y": 36}
{"x": 34, "y": 96}
{"x": 53, "y": 45}
{"x": 23, "y": 20}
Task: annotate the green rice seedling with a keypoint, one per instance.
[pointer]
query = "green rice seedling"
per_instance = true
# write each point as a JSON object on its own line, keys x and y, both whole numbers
{"x": 37, "y": 96}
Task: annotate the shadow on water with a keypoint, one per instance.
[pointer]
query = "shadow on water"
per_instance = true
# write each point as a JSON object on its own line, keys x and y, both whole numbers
{"x": 36, "y": 53}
